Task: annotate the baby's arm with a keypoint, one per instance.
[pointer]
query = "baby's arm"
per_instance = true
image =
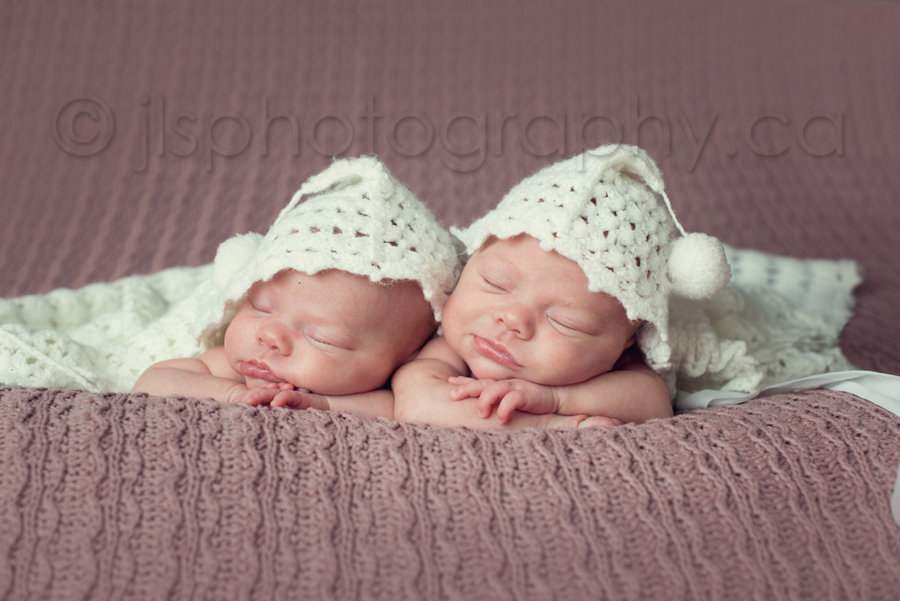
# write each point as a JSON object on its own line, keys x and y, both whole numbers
{"x": 209, "y": 375}
{"x": 422, "y": 395}
{"x": 377, "y": 403}
{"x": 632, "y": 392}
{"x": 205, "y": 376}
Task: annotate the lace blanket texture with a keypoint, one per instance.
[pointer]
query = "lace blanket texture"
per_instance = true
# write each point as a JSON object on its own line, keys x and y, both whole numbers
{"x": 778, "y": 320}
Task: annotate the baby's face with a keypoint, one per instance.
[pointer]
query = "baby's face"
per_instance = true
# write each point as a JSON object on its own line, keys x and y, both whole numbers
{"x": 332, "y": 333}
{"x": 522, "y": 312}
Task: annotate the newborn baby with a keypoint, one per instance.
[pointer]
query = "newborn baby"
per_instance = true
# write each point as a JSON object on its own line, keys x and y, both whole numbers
{"x": 560, "y": 316}
{"x": 345, "y": 287}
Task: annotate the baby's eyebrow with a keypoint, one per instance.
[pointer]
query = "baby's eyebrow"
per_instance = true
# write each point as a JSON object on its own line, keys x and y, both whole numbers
{"x": 499, "y": 266}
{"x": 507, "y": 262}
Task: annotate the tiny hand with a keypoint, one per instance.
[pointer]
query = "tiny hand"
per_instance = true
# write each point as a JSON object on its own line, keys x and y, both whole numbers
{"x": 467, "y": 387}
{"x": 281, "y": 386}
{"x": 601, "y": 421}
{"x": 300, "y": 398}
{"x": 258, "y": 395}
{"x": 581, "y": 421}
{"x": 511, "y": 394}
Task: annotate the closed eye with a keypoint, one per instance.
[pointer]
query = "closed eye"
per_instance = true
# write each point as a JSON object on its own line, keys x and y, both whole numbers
{"x": 260, "y": 301}
{"x": 319, "y": 341}
{"x": 326, "y": 343}
{"x": 565, "y": 327}
{"x": 494, "y": 285}
{"x": 257, "y": 306}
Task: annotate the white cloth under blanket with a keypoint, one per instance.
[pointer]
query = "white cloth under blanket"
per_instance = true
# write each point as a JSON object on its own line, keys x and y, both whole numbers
{"x": 778, "y": 320}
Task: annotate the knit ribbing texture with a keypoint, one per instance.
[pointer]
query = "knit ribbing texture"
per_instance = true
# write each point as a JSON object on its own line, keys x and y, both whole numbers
{"x": 136, "y": 497}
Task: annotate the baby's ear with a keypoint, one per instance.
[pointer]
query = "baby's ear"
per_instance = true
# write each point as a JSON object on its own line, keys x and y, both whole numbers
{"x": 232, "y": 255}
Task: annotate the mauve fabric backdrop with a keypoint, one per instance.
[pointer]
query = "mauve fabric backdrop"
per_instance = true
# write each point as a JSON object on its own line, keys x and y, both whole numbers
{"x": 107, "y": 168}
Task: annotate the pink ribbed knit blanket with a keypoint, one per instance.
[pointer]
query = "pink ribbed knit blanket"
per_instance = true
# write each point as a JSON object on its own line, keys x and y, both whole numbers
{"x": 106, "y": 496}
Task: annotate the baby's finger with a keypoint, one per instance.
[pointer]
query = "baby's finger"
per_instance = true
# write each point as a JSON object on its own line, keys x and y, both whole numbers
{"x": 460, "y": 379}
{"x": 257, "y": 396}
{"x": 470, "y": 388}
{"x": 244, "y": 397}
{"x": 293, "y": 399}
{"x": 600, "y": 421}
{"x": 288, "y": 398}
{"x": 491, "y": 395}
{"x": 513, "y": 400}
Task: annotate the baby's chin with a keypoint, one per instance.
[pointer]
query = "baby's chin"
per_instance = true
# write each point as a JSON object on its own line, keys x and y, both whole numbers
{"x": 485, "y": 369}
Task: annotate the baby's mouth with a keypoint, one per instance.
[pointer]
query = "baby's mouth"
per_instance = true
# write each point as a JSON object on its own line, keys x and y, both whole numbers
{"x": 259, "y": 372}
{"x": 495, "y": 352}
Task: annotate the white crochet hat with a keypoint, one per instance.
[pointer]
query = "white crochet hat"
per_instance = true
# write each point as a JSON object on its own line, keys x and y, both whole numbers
{"x": 592, "y": 209}
{"x": 353, "y": 216}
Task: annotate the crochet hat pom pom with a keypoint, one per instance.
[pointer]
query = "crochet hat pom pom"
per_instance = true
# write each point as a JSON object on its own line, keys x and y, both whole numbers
{"x": 232, "y": 255}
{"x": 697, "y": 266}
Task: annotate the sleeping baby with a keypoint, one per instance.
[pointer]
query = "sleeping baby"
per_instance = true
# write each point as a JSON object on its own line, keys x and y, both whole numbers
{"x": 560, "y": 317}
{"x": 347, "y": 285}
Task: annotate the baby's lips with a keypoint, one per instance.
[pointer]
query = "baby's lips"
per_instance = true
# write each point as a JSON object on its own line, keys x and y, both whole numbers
{"x": 495, "y": 352}
{"x": 252, "y": 370}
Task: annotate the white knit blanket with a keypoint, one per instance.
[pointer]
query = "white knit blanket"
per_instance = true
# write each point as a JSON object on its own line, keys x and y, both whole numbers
{"x": 778, "y": 320}
{"x": 102, "y": 336}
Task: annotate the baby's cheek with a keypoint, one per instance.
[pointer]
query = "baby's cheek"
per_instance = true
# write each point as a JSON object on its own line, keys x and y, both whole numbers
{"x": 363, "y": 374}
{"x": 374, "y": 375}
{"x": 454, "y": 342}
{"x": 562, "y": 366}
{"x": 455, "y": 331}
{"x": 451, "y": 318}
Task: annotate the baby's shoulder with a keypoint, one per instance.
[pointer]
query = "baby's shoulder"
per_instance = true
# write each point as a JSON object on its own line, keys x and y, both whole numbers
{"x": 216, "y": 361}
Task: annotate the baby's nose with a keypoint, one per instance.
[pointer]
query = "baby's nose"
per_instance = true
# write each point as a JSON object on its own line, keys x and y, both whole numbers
{"x": 276, "y": 338}
{"x": 516, "y": 318}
